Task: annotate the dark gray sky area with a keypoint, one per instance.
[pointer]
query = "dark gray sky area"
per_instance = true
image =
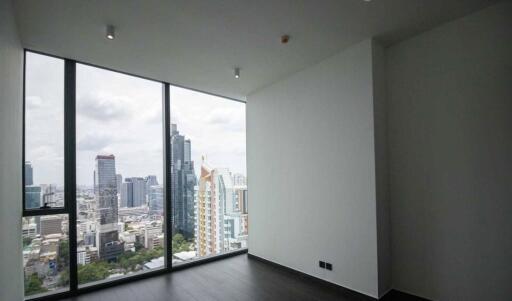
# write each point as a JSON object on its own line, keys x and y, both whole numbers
{"x": 122, "y": 115}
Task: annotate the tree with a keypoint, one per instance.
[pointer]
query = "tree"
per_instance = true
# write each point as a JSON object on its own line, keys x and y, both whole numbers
{"x": 34, "y": 285}
{"x": 93, "y": 272}
{"x": 179, "y": 244}
{"x": 64, "y": 278}
{"x": 130, "y": 260}
{"x": 63, "y": 259}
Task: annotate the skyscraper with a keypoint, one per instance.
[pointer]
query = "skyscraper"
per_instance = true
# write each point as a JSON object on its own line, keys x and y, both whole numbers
{"x": 127, "y": 194}
{"x": 51, "y": 224}
{"x": 139, "y": 191}
{"x": 241, "y": 199}
{"x": 106, "y": 205}
{"x": 183, "y": 180}
{"x": 225, "y": 190}
{"x": 156, "y": 199}
{"x": 210, "y": 200}
{"x": 150, "y": 181}
{"x": 32, "y": 192}
{"x": 239, "y": 180}
{"x": 29, "y": 176}
{"x": 48, "y": 195}
{"x": 133, "y": 192}
{"x": 119, "y": 182}
{"x": 32, "y": 196}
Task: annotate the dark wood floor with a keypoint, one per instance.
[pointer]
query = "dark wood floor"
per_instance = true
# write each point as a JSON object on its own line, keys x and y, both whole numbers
{"x": 235, "y": 278}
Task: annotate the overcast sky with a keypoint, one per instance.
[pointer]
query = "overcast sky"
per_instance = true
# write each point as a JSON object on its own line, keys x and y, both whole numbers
{"x": 122, "y": 115}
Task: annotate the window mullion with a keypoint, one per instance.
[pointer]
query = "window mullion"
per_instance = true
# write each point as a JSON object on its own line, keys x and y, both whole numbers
{"x": 167, "y": 175}
{"x": 70, "y": 165}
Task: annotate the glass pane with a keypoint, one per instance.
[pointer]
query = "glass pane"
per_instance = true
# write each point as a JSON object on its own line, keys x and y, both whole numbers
{"x": 44, "y": 131}
{"x": 119, "y": 175}
{"x": 208, "y": 173}
{"x": 45, "y": 254}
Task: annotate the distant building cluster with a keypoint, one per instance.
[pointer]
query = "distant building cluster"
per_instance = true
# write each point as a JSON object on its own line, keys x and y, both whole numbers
{"x": 43, "y": 195}
{"x": 118, "y": 217}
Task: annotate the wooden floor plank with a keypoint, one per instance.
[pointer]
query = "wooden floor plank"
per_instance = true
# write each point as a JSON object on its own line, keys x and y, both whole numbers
{"x": 232, "y": 279}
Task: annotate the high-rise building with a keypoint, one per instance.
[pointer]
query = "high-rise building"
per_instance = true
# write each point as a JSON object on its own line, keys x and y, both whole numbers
{"x": 105, "y": 192}
{"x": 86, "y": 254}
{"x": 225, "y": 191}
{"x": 241, "y": 201}
{"x": 119, "y": 182}
{"x": 139, "y": 191}
{"x": 152, "y": 231}
{"x": 211, "y": 198}
{"x": 183, "y": 180}
{"x": 244, "y": 224}
{"x": 29, "y": 228}
{"x": 150, "y": 180}
{"x": 29, "y": 175}
{"x": 239, "y": 180}
{"x": 48, "y": 195}
{"x": 90, "y": 238}
{"x": 127, "y": 194}
{"x": 133, "y": 192}
{"x": 51, "y": 224}
{"x": 32, "y": 197}
{"x": 156, "y": 199}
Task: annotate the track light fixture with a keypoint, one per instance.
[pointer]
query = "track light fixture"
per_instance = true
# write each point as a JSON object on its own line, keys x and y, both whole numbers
{"x": 111, "y": 32}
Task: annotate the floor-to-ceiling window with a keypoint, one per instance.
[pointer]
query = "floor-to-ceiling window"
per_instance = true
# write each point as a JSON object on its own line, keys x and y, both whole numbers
{"x": 45, "y": 223}
{"x": 119, "y": 174}
{"x": 208, "y": 172}
{"x": 124, "y": 176}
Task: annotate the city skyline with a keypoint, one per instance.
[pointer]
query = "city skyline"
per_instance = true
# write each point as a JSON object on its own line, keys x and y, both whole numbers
{"x": 120, "y": 218}
{"x": 131, "y": 109}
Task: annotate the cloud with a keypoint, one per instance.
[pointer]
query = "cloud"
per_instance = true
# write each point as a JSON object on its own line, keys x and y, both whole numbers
{"x": 227, "y": 118}
{"x": 33, "y": 102}
{"x": 45, "y": 153}
{"x": 104, "y": 107}
{"x": 219, "y": 117}
{"x": 123, "y": 115}
{"x": 95, "y": 142}
{"x": 153, "y": 115}
{"x": 215, "y": 126}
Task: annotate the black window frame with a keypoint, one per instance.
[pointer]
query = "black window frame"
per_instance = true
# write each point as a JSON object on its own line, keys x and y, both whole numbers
{"x": 70, "y": 183}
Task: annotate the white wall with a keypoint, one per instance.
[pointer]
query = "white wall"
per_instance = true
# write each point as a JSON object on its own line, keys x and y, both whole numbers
{"x": 450, "y": 146}
{"x": 11, "y": 58}
{"x": 381, "y": 168}
{"x": 311, "y": 170}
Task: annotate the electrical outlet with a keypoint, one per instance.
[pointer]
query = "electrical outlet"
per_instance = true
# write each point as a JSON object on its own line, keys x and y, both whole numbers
{"x": 321, "y": 264}
{"x": 328, "y": 266}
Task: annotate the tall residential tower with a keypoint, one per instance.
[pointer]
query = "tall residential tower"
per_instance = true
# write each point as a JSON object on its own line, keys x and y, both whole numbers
{"x": 105, "y": 191}
{"x": 210, "y": 202}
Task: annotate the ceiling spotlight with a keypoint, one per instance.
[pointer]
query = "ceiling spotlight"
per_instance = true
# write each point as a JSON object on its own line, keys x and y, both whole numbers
{"x": 237, "y": 73}
{"x": 111, "y": 32}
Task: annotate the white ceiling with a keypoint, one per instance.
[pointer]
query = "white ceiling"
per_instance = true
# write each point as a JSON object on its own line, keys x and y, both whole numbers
{"x": 198, "y": 43}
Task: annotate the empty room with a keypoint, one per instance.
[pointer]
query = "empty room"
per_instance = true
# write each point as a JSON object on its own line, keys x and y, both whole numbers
{"x": 233, "y": 150}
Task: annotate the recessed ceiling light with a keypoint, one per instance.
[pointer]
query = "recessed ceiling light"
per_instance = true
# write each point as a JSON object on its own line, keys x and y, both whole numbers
{"x": 111, "y": 32}
{"x": 237, "y": 72}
